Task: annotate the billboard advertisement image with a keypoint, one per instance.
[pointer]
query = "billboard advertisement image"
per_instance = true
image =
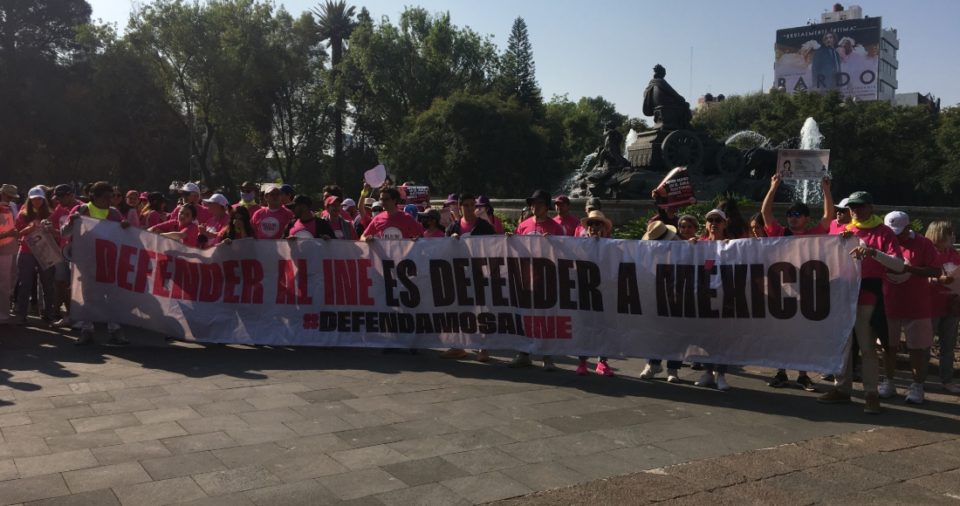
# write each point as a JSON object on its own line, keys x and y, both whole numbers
{"x": 842, "y": 56}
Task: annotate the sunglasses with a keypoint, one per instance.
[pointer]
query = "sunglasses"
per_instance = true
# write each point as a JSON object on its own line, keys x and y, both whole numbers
{"x": 856, "y": 206}
{"x": 794, "y": 214}
{"x": 715, "y": 220}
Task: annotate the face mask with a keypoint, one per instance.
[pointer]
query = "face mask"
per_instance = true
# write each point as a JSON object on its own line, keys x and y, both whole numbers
{"x": 248, "y": 196}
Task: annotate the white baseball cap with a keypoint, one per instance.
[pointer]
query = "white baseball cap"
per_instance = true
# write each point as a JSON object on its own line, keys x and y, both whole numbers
{"x": 269, "y": 187}
{"x": 218, "y": 198}
{"x": 348, "y": 203}
{"x": 843, "y": 204}
{"x": 37, "y": 192}
{"x": 717, "y": 212}
{"x": 190, "y": 188}
{"x": 896, "y": 220}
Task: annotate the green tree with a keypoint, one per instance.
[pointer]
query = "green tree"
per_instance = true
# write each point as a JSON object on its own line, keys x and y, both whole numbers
{"x": 518, "y": 74}
{"x": 335, "y": 24}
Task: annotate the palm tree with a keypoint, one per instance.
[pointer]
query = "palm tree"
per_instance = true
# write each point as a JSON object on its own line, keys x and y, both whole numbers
{"x": 335, "y": 24}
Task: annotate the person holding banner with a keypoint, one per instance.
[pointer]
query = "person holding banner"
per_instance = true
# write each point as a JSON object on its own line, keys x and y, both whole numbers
{"x": 269, "y": 222}
{"x": 98, "y": 208}
{"x": 569, "y": 222}
{"x": 392, "y": 223}
{"x": 33, "y": 217}
{"x": 248, "y": 197}
{"x": 687, "y": 227}
{"x": 183, "y": 228}
{"x": 657, "y": 230}
{"x": 307, "y": 225}
{"x": 341, "y": 227}
{"x": 538, "y": 224}
{"x": 597, "y": 226}
{"x": 878, "y": 252}
{"x": 717, "y": 225}
{"x": 798, "y": 221}
{"x": 908, "y": 307}
{"x": 469, "y": 224}
{"x": 8, "y": 248}
{"x": 219, "y": 208}
{"x": 485, "y": 212}
{"x": 842, "y": 217}
{"x": 945, "y": 304}
{"x": 190, "y": 194}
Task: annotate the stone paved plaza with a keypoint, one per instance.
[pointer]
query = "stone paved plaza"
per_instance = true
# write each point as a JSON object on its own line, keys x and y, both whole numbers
{"x": 158, "y": 423}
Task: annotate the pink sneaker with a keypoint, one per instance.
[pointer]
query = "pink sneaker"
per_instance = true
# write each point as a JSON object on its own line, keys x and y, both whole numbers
{"x": 604, "y": 369}
{"x": 582, "y": 369}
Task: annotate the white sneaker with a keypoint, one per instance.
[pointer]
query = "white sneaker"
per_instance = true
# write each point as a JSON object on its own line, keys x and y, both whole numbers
{"x": 887, "y": 389}
{"x": 650, "y": 371}
{"x": 706, "y": 380}
{"x": 952, "y": 387}
{"x": 722, "y": 383}
{"x": 672, "y": 376}
{"x": 915, "y": 394}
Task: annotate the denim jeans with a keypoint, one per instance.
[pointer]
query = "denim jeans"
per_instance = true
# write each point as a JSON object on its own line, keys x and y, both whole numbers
{"x": 26, "y": 266}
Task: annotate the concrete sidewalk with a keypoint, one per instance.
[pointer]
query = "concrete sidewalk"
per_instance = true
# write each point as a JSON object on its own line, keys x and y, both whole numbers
{"x": 159, "y": 423}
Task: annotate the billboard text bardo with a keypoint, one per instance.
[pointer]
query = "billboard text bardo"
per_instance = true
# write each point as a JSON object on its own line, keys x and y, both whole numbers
{"x": 842, "y": 56}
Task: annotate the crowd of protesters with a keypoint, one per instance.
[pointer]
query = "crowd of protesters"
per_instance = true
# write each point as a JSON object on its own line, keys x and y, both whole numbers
{"x": 902, "y": 291}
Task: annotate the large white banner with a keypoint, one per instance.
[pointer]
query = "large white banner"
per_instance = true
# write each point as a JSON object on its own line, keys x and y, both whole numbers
{"x": 783, "y": 302}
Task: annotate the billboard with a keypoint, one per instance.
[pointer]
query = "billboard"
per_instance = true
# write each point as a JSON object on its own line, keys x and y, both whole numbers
{"x": 842, "y": 56}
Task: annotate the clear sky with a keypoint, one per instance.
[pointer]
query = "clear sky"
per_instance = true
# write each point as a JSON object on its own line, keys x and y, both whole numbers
{"x": 608, "y": 48}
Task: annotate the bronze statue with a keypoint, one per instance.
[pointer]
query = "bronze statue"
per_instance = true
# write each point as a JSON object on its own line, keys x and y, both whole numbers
{"x": 668, "y": 108}
{"x": 610, "y": 155}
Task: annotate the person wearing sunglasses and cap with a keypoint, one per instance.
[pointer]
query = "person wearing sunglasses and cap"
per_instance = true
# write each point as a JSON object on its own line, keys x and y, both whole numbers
{"x": 714, "y": 375}
{"x": 248, "y": 197}
{"x": 219, "y": 219}
{"x": 798, "y": 221}
{"x": 842, "y": 217}
{"x": 597, "y": 226}
{"x": 190, "y": 194}
{"x": 485, "y": 212}
{"x": 879, "y": 251}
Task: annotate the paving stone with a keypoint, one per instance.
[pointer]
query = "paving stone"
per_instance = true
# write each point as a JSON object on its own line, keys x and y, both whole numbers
{"x": 370, "y": 436}
{"x": 199, "y": 442}
{"x": 323, "y": 409}
{"x": 156, "y": 493}
{"x": 544, "y": 476}
{"x": 368, "y": 456}
{"x": 165, "y": 415}
{"x": 761, "y": 493}
{"x": 768, "y": 462}
{"x": 83, "y": 440}
{"x": 276, "y": 401}
{"x": 321, "y": 443}
{"x": 138, "y": 393}
{"x": 944, "y": 483}
{"x": 486, "y": 487}
{"x": 422, "y": 448}
{"x": 224, "y": 408}
{"x": 32, "y": 489}
{"x": 906, "y": 464}
{"x": 148, "y": 432}
{"x": 130, "y": 451}
{"x": 104, "y": 422}
{"x": 47, "y": 428}
{"x": 237, "y": 499}
{"x": 654, "y": 432}
{"x": 63, "y": 401}
{"x": 114, "y": 475}
{"x": 14, "y": 419}
{"x": 541, "y": 450}
{"x": 240, "y": 456}
{"x": 8, "y": 470}
{"x": 292, "y": 467}
{"x": 905, "y": 493}
{"x": 271, "y": 416}
{"x": 122, "y": 406}
{"x": 180, "y": 400}
{"x": 432, "y": 494}
{"x": 213, "y": 424}
{"x": 182, "y": 465}
{"x": 103, "y": 497}
{"x": 526, "y": 430}
{"x": 58, "y": 414}
{"x": 599, "y": 465}
{"x": 365, "y": 419}
{"x": 707, "y": 474}
{"x": 260, "y": 433}
{"x": 319, "y": 425}
{"x": 236, "y": 480}
{"x": 356, "y": 484}
{"x": 306, "y": 493}
{"x": 482, "y": 460}
{"x": 327, "y": 395}
{"x": 420, "y": 472}
{"x": 55, "y": 463}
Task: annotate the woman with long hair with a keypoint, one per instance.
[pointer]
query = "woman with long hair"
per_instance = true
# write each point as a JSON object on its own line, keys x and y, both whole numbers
{"x": 129, "y": 207}
{"x": 239, "y": 227}
{"x": 33, "y": 216}
{"x": 736, "y": 225}
{"x": 155, "y": 211}
{"x": 717, "y": 230}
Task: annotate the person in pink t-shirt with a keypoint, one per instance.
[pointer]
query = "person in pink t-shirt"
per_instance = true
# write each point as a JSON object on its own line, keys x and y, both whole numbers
{"x": 945, "y": 304}
{"x": 183, "y": 228}
{"x": 907, "y": 301}
{"x": 430, "y": 219}
{"x": 219, "y": 208}
{"x": 841, "y": 219}
{"x": 798, "y": 221}
{"x": 538, "y": 224}
{"x": 877, "y": 244}
{"x": 798, "y": 215}
{"x": 569, "y": 222}
{"x": 392, "y": 223}
{"x": 190, "y": 194}
{"x": 155, "y": 212}
{"x": 269, "y": 222}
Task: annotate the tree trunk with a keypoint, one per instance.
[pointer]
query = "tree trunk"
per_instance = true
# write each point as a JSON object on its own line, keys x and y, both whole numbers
{"x": 336, "y": 46}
